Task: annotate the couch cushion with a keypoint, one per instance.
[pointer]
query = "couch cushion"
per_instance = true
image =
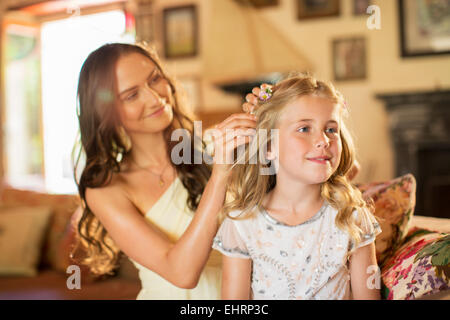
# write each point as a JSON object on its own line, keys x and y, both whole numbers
{"x": 431, "y": 223}
{"x": 394, "y": 202}
{"x": 421, "y": 266}
{"x": 22, "y": 231}
{"x": 63, "y": 207}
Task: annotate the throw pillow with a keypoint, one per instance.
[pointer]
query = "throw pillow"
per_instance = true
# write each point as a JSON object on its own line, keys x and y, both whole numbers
{"x": 421, "y": 266}
{"x": 63, "y": 207}
{"x": 394, "y": 203}
{"x": 22, "y": 231}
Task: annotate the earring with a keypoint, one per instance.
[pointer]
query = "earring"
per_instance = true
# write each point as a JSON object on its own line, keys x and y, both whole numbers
{"x": 125, "y": 144}
{"x": 124, "y": 138}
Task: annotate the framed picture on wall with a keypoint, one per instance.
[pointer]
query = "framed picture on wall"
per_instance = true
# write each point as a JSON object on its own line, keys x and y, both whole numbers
{"x": 349, "y": 59}
{"x": 360, "y": 7}
{"x": 259, "y": 3}
{"x": 424, "y": 27}
{"x": 180, "y": 31}
{"x": 307, "y": 9}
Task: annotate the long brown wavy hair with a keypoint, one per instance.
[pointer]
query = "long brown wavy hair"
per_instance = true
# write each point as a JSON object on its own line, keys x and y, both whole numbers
{"x": 248, "y": 187}
{"x": 101, "y": 142}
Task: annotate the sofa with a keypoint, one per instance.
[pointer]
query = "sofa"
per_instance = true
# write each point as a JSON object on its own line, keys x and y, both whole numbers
{"x": 36, "y": 237}
{"x": 36, "y": 234}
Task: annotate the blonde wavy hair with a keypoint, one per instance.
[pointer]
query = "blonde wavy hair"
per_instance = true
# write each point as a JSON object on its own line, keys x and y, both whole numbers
{"x": 248, "y": 187}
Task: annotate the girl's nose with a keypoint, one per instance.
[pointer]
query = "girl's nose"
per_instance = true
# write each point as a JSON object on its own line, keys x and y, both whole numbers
{"x": 322, "y": 142}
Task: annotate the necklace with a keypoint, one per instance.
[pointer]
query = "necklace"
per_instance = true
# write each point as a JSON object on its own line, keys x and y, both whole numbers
{"x": 161, "y": 181}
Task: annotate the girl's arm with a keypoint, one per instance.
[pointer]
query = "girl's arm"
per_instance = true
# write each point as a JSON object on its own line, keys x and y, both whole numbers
{"x": 180, "y": 262}
{"x": 364, "y": 273}
{"x": 236, "y": 278}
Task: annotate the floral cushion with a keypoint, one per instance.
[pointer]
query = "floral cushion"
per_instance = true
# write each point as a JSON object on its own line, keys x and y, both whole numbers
{"x": 421, "y": 266}
{"x": 63, "y": 207}
{"x": 394, "y": 202}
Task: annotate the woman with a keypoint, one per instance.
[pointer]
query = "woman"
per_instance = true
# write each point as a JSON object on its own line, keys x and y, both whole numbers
{"x": 135, "y": 199}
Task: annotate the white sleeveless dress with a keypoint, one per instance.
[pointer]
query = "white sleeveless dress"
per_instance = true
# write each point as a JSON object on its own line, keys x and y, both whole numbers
{"x": 172, "y": 215}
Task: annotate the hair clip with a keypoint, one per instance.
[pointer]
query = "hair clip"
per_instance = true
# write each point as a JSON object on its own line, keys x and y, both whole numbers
{"x": 265, "y": 93}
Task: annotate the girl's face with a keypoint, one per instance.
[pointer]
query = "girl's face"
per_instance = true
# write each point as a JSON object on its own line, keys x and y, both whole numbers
{"x": 309, "y": 147}
{"x": 145, "y": 97}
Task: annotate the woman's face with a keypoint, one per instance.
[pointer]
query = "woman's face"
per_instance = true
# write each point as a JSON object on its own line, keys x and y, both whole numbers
{"x": 145, "y": 97}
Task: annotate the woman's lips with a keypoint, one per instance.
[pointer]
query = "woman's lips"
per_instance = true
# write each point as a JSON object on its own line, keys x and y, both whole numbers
{"x": 157, "y": 112}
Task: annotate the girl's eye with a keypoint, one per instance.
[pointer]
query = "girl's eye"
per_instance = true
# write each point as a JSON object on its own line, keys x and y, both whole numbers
{"x": 331, "y": 130}
{"x": 303, "y": 129}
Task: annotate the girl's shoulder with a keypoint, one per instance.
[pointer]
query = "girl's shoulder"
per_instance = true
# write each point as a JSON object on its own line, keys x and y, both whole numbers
{"x": 243, "y": 220}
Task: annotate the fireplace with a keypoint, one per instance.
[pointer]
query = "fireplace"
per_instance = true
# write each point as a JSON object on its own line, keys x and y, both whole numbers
{"x": 420, "y": 131}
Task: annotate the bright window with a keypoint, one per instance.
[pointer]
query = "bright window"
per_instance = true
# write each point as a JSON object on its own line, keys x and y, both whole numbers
{"x": 65, "y": 44}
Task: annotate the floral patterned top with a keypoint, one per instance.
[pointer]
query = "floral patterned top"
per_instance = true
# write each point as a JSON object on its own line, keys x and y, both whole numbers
{"x": 305, "y": 261}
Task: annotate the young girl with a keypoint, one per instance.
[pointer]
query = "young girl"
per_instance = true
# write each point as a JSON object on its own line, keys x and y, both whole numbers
{"x": 305, "y": 232}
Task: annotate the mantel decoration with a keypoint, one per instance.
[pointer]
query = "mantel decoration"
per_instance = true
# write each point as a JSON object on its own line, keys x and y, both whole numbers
{"x": 424, "y": 27}
{"x": 180, "y": 31}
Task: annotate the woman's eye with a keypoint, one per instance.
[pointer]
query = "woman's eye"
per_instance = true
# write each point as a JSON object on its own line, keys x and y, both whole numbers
{"x": 131, "y": 96}
{"x": 155, "y": 79}
{"x": 303, "y": 129}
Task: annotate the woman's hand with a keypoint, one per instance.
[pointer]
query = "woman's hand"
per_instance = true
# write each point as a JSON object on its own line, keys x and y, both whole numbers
{"x": 252, "y": 99}
{"x": 234, "y": 131}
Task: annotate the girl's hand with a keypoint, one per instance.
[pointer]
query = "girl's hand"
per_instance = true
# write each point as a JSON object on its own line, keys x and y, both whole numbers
{"x": 252, "y": 99}
{"x": 234, "y": 131}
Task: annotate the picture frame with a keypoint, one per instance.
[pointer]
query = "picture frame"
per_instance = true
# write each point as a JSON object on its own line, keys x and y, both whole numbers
{"x": 424, "y": 29}
{"x": 360, "y": 7}
{"x": 259, "y": 3}
{"x": 180, "y": 32}
{"x": 308, "y": 9}
{"x": 349, "y": 59}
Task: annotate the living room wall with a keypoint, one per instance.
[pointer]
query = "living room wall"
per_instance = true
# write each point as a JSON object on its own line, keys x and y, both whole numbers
{"x": 387, "y": 70}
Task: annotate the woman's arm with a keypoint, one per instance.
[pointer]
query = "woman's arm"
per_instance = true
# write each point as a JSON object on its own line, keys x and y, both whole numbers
{"x": 364, "y": 273}
{"x": 180, "y": 262}
{"x": 236, "y": 278}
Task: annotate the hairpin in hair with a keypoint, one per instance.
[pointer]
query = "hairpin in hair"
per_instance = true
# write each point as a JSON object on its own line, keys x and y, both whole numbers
{"x": 265, "y": 93}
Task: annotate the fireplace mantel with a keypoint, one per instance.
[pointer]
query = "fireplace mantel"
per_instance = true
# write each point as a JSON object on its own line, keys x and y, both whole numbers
{"x": 420, "y": 131}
